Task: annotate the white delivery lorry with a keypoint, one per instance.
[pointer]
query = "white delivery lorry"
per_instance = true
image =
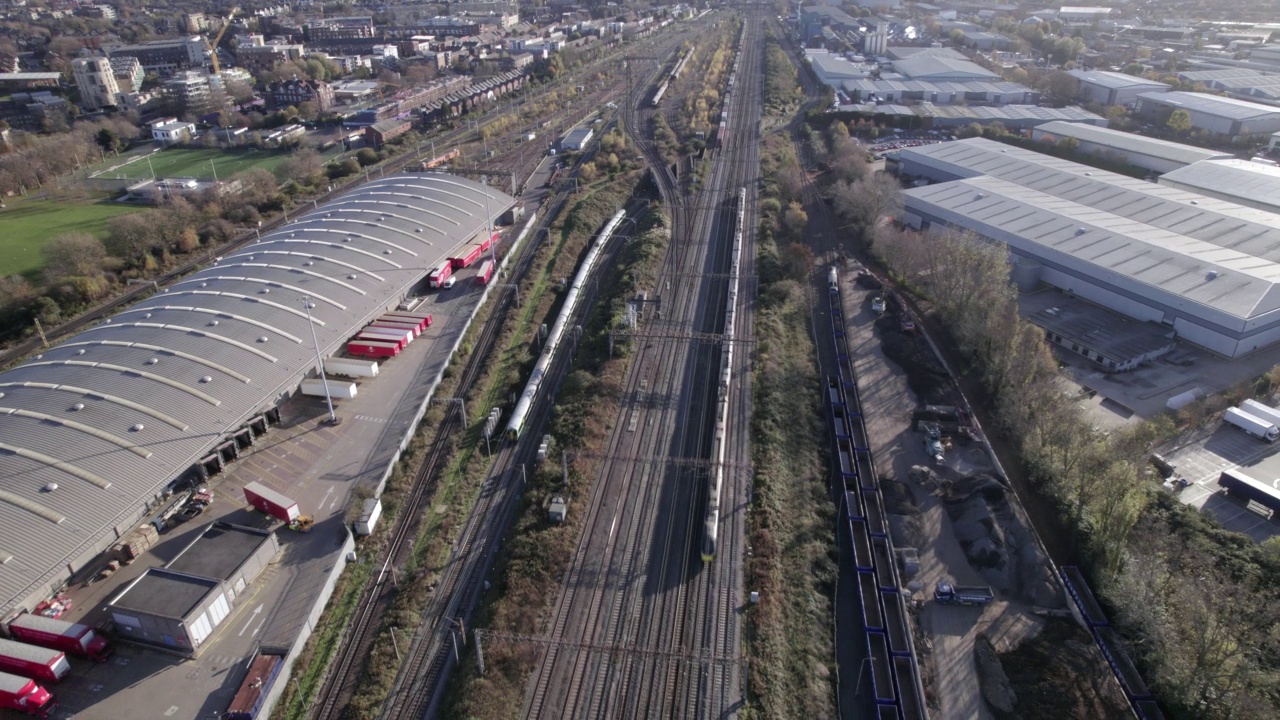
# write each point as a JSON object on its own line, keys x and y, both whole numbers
{"x": 1257, "y": 427}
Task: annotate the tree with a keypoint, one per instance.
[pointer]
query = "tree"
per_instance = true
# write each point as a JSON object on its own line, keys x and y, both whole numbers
{"x": 795, "y": 219}
{"x": 1068, "y": 144}
{"x": 957, "y": 37}
{"x": 305, "y": 167}
{"x": 73, "y": 254}
{"x": 367, "y": 157}
{"x": 1135, "y": 69}
{"x": 109, "y": 140}
{"x": 1180, "y": 121}
{"x": 1061, "y": 88}
{"x": 134, "y": 238}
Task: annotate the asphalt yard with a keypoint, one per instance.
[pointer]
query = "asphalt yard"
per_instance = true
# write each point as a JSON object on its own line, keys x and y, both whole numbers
{"x": 1201, "y": 462}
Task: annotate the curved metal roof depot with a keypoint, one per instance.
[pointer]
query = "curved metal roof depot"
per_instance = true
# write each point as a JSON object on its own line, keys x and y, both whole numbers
{"x": 95, "y": 428}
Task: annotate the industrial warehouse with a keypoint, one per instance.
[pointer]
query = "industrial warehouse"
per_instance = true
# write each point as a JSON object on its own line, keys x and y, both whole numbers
{"x": 97, "y": 431}
{"x": 1180, "y": 262}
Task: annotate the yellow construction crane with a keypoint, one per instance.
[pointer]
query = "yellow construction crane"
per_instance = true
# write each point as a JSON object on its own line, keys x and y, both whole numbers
{"x": 213, "y": 46}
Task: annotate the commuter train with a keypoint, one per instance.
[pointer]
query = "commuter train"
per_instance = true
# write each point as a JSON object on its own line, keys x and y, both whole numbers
{"x": 719, "y": 450}
{"x": 515, "y": 425}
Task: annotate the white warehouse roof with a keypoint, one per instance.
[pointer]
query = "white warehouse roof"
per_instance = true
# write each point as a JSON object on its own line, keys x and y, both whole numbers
{"x": 1131, "y": 143}
{"x": 1113, "y": 80}
{"x": 1121, "y": 250}
{"x": 1242, "y": 181}
{"x": 115, "y": 413}
{"x": 1215, "y": 105}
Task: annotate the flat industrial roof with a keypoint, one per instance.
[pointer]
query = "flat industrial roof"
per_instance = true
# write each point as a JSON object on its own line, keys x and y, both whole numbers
{"x": 164, "y": 593}
{"x": 1113, "y": 80}
{"x": 923, "y": 67}
{"x": 1234, "y": 177}
{"x": 1044, "y": 226}
{"x": 1216, "y": 105}
{"x": 1129, "y": 142}
{"x": 219, "y": 550}
{"x": 116, "y": 412}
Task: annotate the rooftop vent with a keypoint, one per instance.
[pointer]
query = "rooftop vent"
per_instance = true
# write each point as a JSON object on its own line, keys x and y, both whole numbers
{"x": 206, "y": 379}
{"x": 152, "y": 361}
{"x": 1212, "y": 275}
{"x": 80, "y": 351}
{"x": 1195, "y": 202}
{"x": 308, "y": 263}
{"x": 1081, "y": 231}
{"x": 263, "y": 339}
{"x": 49, "y": 488}
{"x": 264, "y": 291}
{"x": 213, "y": 323}
{"x": 138, "y": 427}
{"x": 77, "y": 407}
{"x": 146, "y": 315}
{"x": 204, "y": 284}
{"x": 352, "y": 276}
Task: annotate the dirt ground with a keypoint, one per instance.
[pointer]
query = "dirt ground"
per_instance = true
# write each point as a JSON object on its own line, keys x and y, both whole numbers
{"x": 1041, "y": 660}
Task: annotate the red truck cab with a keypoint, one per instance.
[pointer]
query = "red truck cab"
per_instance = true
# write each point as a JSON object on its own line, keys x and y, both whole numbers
{"x": 25, "y": 696}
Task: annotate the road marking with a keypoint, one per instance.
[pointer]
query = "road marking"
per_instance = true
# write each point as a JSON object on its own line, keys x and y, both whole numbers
{"x": 256, "y": 612}
{"x": 172, "y": 709}
{"x": 327, "y": 493}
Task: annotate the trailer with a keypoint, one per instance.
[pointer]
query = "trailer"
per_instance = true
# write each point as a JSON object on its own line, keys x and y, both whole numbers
{"x": 383, "y": 335}
{"x": 1260, "y": 411}
{"x": 422, "y": 317}
{"x": 271, "y": 502}
{"x": 25, "y": 696}
{"x": 441, "y": 273}
{"x": 467, "y": 257}
{"x": 318, "y": 387}
{"x": 32, "y": 661}
{"x": 254, "y": 689}
{"x": 71, "y": 638}
{"x": 415, "y": 324}
{"x": 350, "y": 367}
{"x": 373, "y": 348}
{"x": 1241, "y": 485}
{"x": 369, "y": 514}
{"x": 1255, "y": 426}
{"x": 486, "y": 273}
{"x": 395, "y": 325}
{"x": 949, "y": 594}
{"x": 395, "y": 333}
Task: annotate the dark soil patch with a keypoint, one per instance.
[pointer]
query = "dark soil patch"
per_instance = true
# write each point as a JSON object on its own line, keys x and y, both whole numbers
{"x": 1061, "y": 675}
{"x": 926, "y": 376}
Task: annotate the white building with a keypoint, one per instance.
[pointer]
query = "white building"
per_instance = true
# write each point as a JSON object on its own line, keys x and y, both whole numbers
{"x": 1159, "y": 156}
{"x": 1239, "y": 181}
{"x": 1082, "y": 15}
{"x": 1113, "y": 88}
{"x": 173, "y": 131}
{"x": 96, "y": 81}
{"x": 1206, "y": 268}
{"x": 1224, "y": 118}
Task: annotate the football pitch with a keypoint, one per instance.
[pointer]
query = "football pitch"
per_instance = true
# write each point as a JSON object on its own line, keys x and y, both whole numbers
{"x": 200, "y": 163}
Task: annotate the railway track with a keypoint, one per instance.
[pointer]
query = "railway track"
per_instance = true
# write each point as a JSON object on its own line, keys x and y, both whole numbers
{"x": 635, "y": 581}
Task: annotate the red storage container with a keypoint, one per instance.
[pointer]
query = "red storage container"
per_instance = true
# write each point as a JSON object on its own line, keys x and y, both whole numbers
{"x": 38, "y": 663}
{"x": 271, "y": 502}
{"x": 373, "y": 349}
{"x": 71, "y": 638}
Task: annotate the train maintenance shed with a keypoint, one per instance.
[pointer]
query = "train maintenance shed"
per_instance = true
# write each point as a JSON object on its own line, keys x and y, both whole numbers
{"x": 97, "y": 431}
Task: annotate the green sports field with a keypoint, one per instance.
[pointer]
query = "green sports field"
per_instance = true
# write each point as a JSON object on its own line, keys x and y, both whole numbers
{"x": 185, "y": 162}
{"x": 26, "y": 225}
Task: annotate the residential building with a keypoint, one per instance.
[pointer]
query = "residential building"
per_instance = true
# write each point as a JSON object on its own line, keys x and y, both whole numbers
{"x": 195, "y": 22}
{"x": 173, "y": 131}
{"x": 128, "y": 73}
{"x": 1113, "y": 88}
{"x": 30, "y": 80}
{"x": 190, "y": 92}
{"x": 384, "y": 131}
{"x": 338, "y": 28}
{"x": 96, "y": 81}
{"x": 267, "y": 56}
{"x": 32, "y": 111}
{"x": 295, "y": 92}
{"x": 165, "y": 57}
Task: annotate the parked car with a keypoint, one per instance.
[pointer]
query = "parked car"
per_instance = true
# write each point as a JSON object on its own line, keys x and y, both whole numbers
{"x": 907, "y": 324}
{"x": 877, "y": 304}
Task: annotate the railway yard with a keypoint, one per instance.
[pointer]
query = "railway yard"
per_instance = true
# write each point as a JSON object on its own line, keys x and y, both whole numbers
{"x": 649, "y": 614}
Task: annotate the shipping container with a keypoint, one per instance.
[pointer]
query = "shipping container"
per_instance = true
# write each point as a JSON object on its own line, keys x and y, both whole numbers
{"x": 414, "y": 324}
{"x": 38, "y": 663}
{"x": 486, "y": 272}
{"x": 420, "y": 322}
{"x": 373, "y": 349}
{"x": 72, "y": 638}
{"x": 350, "y": 367}
{"x": 254, "y": 689}
{"x": 395, "y": 325}
{"x": 369, "y": 514}
{"x": 400, "y": 341}
{"x": 442, "y": 272}
{"x": 400, "y": 335}
{"x": 25, "y": 696}
{"x": 467, "y": 257}
{"x": 271, "y": 502}
{"x": 315, "y": 387}
{"x": 425, "y": 317}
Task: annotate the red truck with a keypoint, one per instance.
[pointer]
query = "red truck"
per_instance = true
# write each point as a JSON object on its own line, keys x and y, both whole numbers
{"x": 440, "y": 274}
{"x": 422, "y": 318}
{"x": 25, "y": 696}
{"x": 71, "y": 638}
{"x": 486, "y": 272}
{"x": 33, "y": 661}
{"x": 369, "y": 348}
{"x": 271, "y": 502}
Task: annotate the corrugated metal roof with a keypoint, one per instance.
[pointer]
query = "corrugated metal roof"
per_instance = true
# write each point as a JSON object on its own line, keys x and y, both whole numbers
{"x": 1215, "y": 105}
{"x": 1129, "y": 142}
{"x": 1113, "y": 80}
{"x": 118, "y": 411}
{"x": 1172, "y": 266}
{"x": 923, "y": 67}
{"x": 1234, "y": 177}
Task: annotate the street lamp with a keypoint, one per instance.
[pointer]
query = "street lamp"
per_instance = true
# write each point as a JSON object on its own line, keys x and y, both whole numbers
{"x": 306, "y": 303}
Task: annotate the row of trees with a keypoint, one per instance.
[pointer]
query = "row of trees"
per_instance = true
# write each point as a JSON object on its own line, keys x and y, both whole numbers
{"x": 36, "y": 160}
